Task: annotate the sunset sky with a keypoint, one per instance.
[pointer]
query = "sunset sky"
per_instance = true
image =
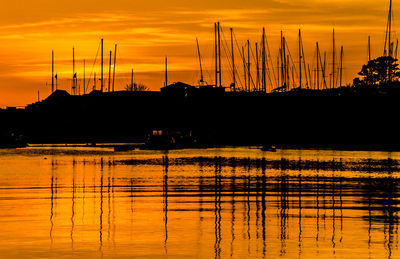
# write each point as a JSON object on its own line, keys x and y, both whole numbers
{"x": 147, "y": 31}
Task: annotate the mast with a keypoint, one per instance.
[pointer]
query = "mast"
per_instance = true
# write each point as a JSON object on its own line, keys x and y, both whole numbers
{"x": 300, "y": 56}
{"x": 201, "y": 68}
{"x": 109, "y": 72}
{"x": 388, "y": 39}
{"x": 264, "y": 77}
{"x": 341, "y": 66}
{"x": 94, "y": 82}
{"x": 334, "y": 60}
{"x": 52, "y": 71}
{"x": 102, "y": 63}
{"x": 73, "y": 72}
{"x": 324, "y": 70}
{"x": 84, "y": 76}
{"x": 166, "y": 71}
{"x": 282, "y": 65}
{"x": 258, "y": 70}
{"x": 285, "y": 74}
{"x": 244, "y": 69}
{"x": 248, "y": 65}
{"x": 219, "y": 55}
{"x": 216, "y": 54}
{"x": 132, "y": 79}
{"x": 115, "y": 62}
{"x": 317, "y": 66}
{"x": 233, "y": 62}
{"x": 369, "y": 48}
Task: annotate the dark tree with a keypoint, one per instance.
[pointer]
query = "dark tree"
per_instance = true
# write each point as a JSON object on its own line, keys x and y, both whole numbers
{"x": 136, "y": 87}
{"x": 382, "y": 70}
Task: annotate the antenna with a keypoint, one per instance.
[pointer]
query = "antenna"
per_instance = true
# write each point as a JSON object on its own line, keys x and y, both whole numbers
{"x": 201, "y": 68}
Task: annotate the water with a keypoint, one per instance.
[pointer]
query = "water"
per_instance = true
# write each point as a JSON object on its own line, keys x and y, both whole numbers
{"x": 221, "y": 203}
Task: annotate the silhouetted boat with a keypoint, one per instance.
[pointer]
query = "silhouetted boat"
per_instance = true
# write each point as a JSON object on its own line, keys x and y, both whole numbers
{"x": 269, "y": 148}
{"x": 122, "y": 148}
{"x": 166, "y": 139}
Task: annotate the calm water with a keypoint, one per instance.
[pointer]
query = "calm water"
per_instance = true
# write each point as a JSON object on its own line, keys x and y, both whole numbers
{"x": 221, "y": 203}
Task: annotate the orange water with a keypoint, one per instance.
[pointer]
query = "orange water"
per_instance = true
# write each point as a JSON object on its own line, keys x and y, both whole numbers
{"x": 92, "y": 202}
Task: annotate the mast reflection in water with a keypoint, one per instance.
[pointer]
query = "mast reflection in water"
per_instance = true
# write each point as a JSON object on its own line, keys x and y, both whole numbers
{"x": 221, "y": 203}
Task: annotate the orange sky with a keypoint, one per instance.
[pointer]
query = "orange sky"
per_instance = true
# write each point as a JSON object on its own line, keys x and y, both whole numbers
{"x": 146, "y": 31}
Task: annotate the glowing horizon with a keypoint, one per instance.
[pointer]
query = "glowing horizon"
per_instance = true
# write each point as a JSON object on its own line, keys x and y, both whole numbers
{"x": 147, "y": 32}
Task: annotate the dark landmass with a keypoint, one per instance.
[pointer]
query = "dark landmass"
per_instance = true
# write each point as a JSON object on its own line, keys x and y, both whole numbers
{"x": 342, "y": 118}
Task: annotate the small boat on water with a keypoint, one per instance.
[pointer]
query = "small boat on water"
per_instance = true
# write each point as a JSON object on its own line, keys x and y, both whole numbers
{"x": 167, "y": 139}
{"x": 268, "y": 148}
{"x": 123, "y": 148}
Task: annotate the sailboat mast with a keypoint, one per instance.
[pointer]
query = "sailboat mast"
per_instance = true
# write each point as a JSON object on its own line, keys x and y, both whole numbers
{"x": 233, "y": 62}
{"x": 341, "y": 66}
{"x": 248, "y": 65}
{"x": 115, "y": 63}
{"x": 216, "y": 54}
{"x": 219, "y": 55}
{"x": 132, "y": 79}
{"x": 390, "y": 30}
{"x": 73, "y": 72}
{"x": 334, "y": 60}
{"x": 281, "y": 61}
{"x": 102, "y": 69}
{"x": 324, "y": 70}
{"x": 317, "y": 66}
{"x": 300, "y": 56}
{"x": 109, "y": 72}
{"x": 84, "y": 76}
{"x": 258, "y": 70}
{"x": 264, "y": 77}
{"x": 166, "y": 71}
{"x": 244, "y": 69}
{"x": 201, "y": 68}
{"x": 52, "y": 71}
{"x": 369, "y": 48}
{"x": 94, "y": 81}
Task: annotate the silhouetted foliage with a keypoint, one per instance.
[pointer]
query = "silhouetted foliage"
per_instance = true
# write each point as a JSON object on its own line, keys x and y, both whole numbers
{"x": 136, "y": 87}
{"x": 378, "y": 71}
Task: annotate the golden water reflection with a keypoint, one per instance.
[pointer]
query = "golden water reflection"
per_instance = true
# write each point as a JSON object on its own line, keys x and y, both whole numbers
{"x": 228, "y": 202}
